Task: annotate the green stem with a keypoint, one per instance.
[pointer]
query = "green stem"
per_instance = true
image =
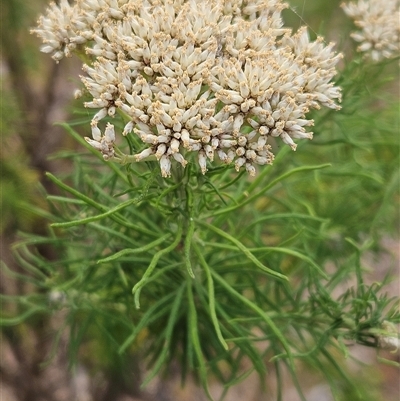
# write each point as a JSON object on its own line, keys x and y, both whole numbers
{"x": 190, "y": 231}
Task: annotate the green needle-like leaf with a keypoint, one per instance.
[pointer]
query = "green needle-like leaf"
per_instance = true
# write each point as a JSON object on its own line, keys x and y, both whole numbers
{"x": 244, "y": 249}
{"x": 211, "y": 296}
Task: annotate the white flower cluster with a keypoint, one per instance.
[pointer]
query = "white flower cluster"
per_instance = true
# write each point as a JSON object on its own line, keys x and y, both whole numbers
{"x": 213, "y": 77}
{"x": 379, "y": 23}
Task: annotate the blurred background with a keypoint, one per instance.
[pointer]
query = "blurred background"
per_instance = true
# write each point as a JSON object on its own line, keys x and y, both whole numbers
{"x": 36, "y": 93}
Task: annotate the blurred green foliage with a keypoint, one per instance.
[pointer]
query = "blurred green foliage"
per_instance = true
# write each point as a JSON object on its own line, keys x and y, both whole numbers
{"x": 305, "y": 220}
{"x": 18, "y": 181}
{"x": 19, "y": 57}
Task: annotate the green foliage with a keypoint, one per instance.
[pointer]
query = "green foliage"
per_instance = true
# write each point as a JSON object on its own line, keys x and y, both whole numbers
{"x": 217, "y": 269}
{"x": 19, "y": 193}
{"x": 219, "y": 265}
{"x": 18, "y": 181}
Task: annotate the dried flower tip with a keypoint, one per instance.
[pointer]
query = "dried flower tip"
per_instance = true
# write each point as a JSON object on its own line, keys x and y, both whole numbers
{"x": 179, "y": 158}
{"x": 143, "y": 154}
{"x": 109, "y": 134}
{"x": 128, "y": 128}
{"x": 93, "y": 143}
{"x": 202, "y": 161}
{"x": 165, "y": 164}
{"x": 78, "y": 94}
{"x": 96, "y": 133}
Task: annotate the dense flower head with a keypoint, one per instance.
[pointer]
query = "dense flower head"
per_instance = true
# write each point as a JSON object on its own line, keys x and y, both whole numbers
{"x": 379, "y": 23}
{"x": 219, "y": 78}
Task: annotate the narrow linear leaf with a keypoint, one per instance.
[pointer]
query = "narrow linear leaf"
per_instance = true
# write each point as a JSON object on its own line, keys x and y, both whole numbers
{"x": 238, "y": 379}
{"x": 195, "y": 340}
{"x": 98, "y": 206}
{"x": 277, "y": 216}
{"x": 244, "y": 249}
{"x": 22, "y": 277}
{"x": 99, "y": 216}
{"x": 211, "y": 296}
{"x": 153, "y": 264}
{"x": 13, "y": 321}
{"x": 259, "y": 311}
{"x": 151, "y": 315}
{"x": 64, "y": 199}
{"x": 130, "y": 251}
{"x": 76, "y": 193}
{"x": 343, "y": 374}
{"x": 26, "y": 265}
{"x": 265, "y": 189}
{"x": 389, "y": 362}
{"x": 292, "y": 253}
{"x": 166, "y": 192}
{"x": 168, "y": 335}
